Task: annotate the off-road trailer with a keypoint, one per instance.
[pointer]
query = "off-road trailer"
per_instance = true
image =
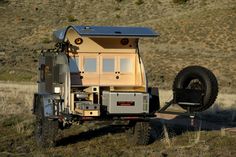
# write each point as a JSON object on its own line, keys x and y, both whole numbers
{"x": 96, "y": 73}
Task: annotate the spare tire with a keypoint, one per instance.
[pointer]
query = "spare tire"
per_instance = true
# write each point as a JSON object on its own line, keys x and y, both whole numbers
{"x": 199, "y": 78}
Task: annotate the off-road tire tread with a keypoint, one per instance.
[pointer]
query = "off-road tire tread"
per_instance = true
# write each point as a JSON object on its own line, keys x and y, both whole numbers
{"x": 47, "y": 137}
{"x": 140, "y": 134}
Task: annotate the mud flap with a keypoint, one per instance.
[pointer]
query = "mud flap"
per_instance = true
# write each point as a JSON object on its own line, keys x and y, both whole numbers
{"x": 35, "y": 103}
{"x": 154, "y": 102}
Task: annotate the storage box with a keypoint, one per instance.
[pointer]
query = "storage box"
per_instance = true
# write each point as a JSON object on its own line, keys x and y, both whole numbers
{"x": 126, "y": 102}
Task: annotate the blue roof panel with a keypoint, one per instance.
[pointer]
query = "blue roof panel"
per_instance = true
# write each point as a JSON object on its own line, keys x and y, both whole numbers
{"x": 115, "y": 31}
{"x": 107, "y": 31}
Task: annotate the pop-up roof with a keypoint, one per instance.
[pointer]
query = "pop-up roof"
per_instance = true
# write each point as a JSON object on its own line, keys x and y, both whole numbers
{"x": 106, "y": 31}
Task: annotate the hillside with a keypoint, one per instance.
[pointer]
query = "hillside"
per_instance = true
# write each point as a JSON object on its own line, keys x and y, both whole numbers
{"x": 195, "y": 33}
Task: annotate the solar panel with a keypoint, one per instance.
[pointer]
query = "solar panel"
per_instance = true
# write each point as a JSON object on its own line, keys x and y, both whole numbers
{"x": 107, "y": 31}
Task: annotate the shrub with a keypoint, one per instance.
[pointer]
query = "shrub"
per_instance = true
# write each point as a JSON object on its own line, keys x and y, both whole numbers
{"x": 46, "y": 40}
{"x": 3, "y": 1}
{"x": 71, "y": 18}
{"x": 139, "y": 2}
{"x": 180, "y": 1}
{"x": 117, "y": 8}
{"x": 117, "y": 16}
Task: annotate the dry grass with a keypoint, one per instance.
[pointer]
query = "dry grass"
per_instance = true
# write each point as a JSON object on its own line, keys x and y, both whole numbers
{"x": 16, "y": 98}
{"x": 96, "y": 139}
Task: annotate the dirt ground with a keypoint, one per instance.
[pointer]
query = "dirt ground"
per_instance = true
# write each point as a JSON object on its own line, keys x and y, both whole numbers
{"x": 172, "y": 135}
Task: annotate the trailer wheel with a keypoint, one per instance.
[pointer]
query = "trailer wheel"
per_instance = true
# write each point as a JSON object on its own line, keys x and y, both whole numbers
{"x": 199, "y": 78}
{"x": 140, "y": 133}
{"x": 45, "y": 130}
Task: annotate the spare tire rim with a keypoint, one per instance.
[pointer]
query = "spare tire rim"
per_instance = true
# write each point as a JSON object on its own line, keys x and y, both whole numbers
{"x": 195, "y": 84}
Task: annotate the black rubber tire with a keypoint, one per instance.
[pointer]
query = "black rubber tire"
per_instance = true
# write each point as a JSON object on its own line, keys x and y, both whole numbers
{"x": 207, "y": 81}
{"x": 45, "y": 130}
{"x": 140, "y": 133}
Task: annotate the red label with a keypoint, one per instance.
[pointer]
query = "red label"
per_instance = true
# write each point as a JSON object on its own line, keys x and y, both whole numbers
{"x": 125, "y": 103}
